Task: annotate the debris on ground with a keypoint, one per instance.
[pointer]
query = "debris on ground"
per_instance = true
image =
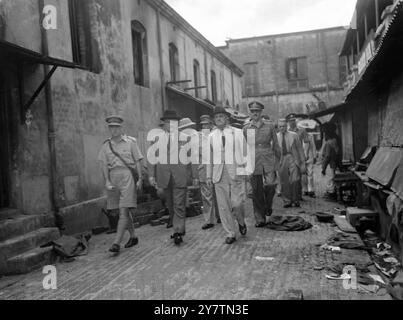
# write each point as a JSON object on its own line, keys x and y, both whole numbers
{"x": 264, "y": 258}
{"x": 69, "y": 247}
{"x": 346, "y": 241}
{"x": 331, "y": 248}
{"x": 288, "y": 223}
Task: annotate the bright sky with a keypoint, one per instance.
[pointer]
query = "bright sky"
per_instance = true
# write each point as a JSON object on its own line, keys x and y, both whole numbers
{"x": 219, "y": 20}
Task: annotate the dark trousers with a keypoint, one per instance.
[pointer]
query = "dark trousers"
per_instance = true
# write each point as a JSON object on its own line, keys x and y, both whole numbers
{"x": 262, "y": 198}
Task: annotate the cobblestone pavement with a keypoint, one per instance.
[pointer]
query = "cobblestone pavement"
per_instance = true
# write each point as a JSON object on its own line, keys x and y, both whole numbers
{"x": 203, "y": 267}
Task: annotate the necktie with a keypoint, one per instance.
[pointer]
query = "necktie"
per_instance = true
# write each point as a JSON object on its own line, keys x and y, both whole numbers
{"x": 223, "y": 140}
{"x": 284, "y": 145}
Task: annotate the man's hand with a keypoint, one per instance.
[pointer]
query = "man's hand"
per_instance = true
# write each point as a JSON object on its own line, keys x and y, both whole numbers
{"x": 209, "y": 182}
{"x": 109, "y": 186}
{"x": 152, "y": 181}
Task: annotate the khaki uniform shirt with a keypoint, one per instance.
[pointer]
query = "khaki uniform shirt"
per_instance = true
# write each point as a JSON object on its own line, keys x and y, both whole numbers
{"x": 266, "y": 146}
{"x": 127, "y": 148}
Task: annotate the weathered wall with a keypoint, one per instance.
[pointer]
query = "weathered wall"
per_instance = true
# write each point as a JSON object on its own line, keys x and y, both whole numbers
{"x": 81, "y": 99}
{"x": 271, "y": 53}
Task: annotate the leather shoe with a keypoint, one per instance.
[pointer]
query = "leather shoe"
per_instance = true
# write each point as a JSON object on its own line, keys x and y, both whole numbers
{"x": 115, "y": 248}
{"x": 243, "y": 229}
{"x": 132, "y": 242}
{"x": 208, "y": 226}
{"x": 260, "y": 225}
{"x": 230, "y": 240}
{"x": 177, "y": 238}
{"x": 169, "y": 225}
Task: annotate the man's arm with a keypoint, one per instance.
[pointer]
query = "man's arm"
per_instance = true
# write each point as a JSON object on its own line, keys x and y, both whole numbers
{"x": 326, "y": 157}
{"x": 104, "y": 169}
{"x": 276, "y": 145}
{"x": 301, "y": 153}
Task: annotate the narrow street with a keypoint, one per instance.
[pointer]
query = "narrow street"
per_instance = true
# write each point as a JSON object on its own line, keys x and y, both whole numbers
{"x": 204, "y": 267}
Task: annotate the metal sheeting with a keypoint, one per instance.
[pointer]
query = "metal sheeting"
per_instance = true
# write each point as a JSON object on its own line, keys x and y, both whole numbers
{"x": 384, "y": 165}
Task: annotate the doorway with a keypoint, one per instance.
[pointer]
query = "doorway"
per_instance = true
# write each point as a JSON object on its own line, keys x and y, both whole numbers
{"x": 4, "y": 145}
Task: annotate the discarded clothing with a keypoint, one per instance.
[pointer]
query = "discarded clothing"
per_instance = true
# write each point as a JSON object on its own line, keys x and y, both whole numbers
{"x": 68, "y": 247}
{"x": 288, "y": 223}
{"x": 346, "y": 241}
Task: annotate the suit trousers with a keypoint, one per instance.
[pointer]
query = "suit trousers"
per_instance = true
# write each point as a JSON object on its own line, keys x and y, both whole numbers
{"x": 262, "y": 197}
{"x": 230, "y": 198}
{"x": 176, "y": 203}
{"x": 208, "y": 196}
{"x": 307, "y": 179}
{"x": 290, "y": 177}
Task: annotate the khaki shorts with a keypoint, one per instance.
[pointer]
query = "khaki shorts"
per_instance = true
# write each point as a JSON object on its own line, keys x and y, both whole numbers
{"x": 124, "y": 196}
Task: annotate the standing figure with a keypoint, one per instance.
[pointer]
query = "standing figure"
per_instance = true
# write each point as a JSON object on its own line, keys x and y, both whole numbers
{"x": 207, "y": 191}
{"x": 173, "y": 177}
{"x": 293, "y": 127}
{"x": 331, "y": 158}
{"x": 308, "y": 144}
{"x": 267, "y": 156}
{"x": 292, "y": 165}
{"x": 227, "y": 146}
{"x": 119, "y": 155}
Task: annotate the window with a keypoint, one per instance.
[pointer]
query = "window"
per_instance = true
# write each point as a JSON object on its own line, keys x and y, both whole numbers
{"x": 196, "y": 75}
{"x": 251, "y": 79}
{"x": 84, "y": 47}
{"x": 174, "y": 62}
{"x": 140, "y": 55}
{"x": 343, "y": 66}
{"x": 297, "y": 73}
{"x": 213, "y": 87}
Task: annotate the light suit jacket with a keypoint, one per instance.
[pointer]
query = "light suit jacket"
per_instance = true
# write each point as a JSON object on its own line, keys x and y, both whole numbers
{"x": 240, "y": 165}
{"x": 294, "y": 147}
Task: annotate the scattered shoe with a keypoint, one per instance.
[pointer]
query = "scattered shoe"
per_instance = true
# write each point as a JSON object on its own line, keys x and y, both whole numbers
{"x": 132, "y": 242}
{"x": 230, "y": 240}
{"x": 243, "y": 229}
{"x": 208, "y": 226}
{"x": 115, "y": 248}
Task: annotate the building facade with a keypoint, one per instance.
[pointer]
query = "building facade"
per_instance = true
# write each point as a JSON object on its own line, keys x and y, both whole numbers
{"x": 291, "y": 73}
{"x": 65, "y": 66}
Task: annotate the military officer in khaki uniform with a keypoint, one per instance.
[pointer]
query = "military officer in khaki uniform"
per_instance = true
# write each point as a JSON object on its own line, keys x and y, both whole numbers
{"x": 267, "y": 156}
{"x": 116, "y": 156}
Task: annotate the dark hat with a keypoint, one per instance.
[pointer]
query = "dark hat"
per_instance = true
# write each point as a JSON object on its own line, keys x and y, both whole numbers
{"x": 256, "y": 106}
{"x": 170, "y": 115}
{"x": 292, "y": 117}
{"x": 221, "y": 110}
{"x": 206, "y": 119}
{"x": 114, "y": 121}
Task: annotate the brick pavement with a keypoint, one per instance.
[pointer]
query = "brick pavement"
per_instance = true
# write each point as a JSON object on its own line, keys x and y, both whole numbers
{"x": 202, "y": 268}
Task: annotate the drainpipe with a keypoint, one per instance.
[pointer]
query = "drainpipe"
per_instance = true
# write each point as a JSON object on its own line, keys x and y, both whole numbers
{"x": 51, "y": 128}
{"x": 160, "y": 50}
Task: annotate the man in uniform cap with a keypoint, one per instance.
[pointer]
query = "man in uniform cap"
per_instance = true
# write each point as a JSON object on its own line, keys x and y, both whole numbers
{"x": 292, "y": 165}
{"x": 119, "y": 156}
{"x": 227, "y": 174}
{"x": 210, "y": 209}
{"x": 267, "y": 155}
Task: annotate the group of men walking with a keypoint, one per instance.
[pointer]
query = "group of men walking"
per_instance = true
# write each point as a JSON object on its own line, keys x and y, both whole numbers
{"x": 226, "y": 175}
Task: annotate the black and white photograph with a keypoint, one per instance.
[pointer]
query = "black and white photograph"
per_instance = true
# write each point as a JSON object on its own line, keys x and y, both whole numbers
{"x": 215, "y": 152}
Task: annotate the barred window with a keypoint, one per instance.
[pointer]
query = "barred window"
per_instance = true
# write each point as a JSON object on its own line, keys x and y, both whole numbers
{"x": 140, "y": 54}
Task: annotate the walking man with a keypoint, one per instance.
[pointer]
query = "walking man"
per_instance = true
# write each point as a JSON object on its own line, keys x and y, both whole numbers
{"x": 227, "y": 146}
{"x": 293, "y": 127}
{"x": 119, "y": 156}
{"x": 292, "y": 165}
{"x": 207, "y": 191}
{"x": 173, "y": 176}
{"x": 267, "y": 156}
{"x": 308, "y": 144}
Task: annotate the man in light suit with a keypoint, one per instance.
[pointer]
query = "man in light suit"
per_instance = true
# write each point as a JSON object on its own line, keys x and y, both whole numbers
{"x": 173, "y": 178}
{"x": 227, "y": 171}
{"x": 292, "y": 165}
{"x": 309, "y": 147}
